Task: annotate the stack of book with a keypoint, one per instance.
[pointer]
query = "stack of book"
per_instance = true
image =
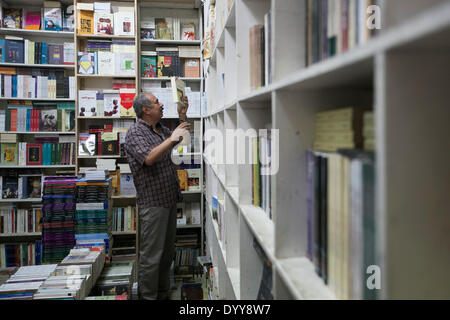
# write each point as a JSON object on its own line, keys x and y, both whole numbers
{"x": 182, "y": 61}
{"x": 185, "y": 259}
{"x": 333, "y": 27}
{"x": 116, "y": 279}
{"x": 52, "y": 17}
{"x": 92, "y": 210}
{"x": 108, "y": 57}
{"x": 68, "y": 287}
{"x": 109, "y": 103}
{"x": 341, "y": 220}
{"x": 35, "y": 83}
{"x": 23, "y": 284}
{"x": 168, "y": 29}
{"x": 339, "y": 129}
{"x": 102, "y": 18}
{"x": 25, "y": 116}
{"x": 6, "y": 273}
{"x": 58, "y": 229}
{"x": 124, "y": 248}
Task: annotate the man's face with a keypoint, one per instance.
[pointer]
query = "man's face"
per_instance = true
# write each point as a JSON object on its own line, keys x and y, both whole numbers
{"x": 155, "y": 109}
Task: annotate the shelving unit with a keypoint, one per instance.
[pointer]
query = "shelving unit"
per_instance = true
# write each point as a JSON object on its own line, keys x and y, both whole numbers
{"x": 402, "y": 74}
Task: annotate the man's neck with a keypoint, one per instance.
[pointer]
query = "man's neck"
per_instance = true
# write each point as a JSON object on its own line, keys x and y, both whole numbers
{"x": 151, "y": 122}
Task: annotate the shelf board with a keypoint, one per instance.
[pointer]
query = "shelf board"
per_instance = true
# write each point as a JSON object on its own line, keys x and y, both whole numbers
{"x": 123, "y": 233}
{"x": 234, "y": 194}
{"x": 168, "y": 79}
{"x": 105, "y": 36}
{"x": 235, "y": 274}
{"x": 39, "y": 99}
{"x": 37, "y": 167}
{"x": 20, "y": 200}
{"x": 216, "y": 231}
{"x": 123, "y": 197}
{"x": 106, "y": 118}
{"x": 194, "y": 154}
{"x": 189, "y": 226}
{"x": 301, "y": 279}
{"x": 262, "y": 227}
{"x": 191, "y": 192}
{"x": 29, "y": 234}
{"x": 28, "y": 65}
{"x": 104, "y": 76}
{"x": 160, "y": 41}
{"x": 100, "y": 157}
{"x": 44, "y": 33}
{"x": 41, "y": 132}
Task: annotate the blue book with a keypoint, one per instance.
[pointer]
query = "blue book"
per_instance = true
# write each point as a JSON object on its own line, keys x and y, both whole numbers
{"x": 14, "y": 51}
{"x": 14, "y": 85}
{"x": 2, "y": 50}
{"x": 28, "y": 120}
{"x": 44, "y": 53}
{"x": 38, "y": 249}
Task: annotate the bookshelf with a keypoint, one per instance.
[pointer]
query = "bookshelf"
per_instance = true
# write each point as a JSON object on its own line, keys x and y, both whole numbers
{"x": 400, "y": 72}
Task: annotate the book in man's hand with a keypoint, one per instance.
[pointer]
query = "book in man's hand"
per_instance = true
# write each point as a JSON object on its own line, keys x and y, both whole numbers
{"x": 178, "y": 90}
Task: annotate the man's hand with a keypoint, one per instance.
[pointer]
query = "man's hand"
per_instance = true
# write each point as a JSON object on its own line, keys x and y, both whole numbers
{"x": 183, "y": 107}
{"x": 181, "y": 132}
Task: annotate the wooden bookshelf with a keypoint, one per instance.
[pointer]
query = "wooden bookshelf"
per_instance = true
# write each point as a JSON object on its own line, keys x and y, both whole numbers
{"x": 28, "y": 65}
{"x": 41, "y": 33}
{"x": 400, "y": 73}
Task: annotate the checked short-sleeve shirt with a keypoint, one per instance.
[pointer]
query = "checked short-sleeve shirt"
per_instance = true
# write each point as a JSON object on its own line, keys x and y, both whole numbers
{"x": 156, "y": 185}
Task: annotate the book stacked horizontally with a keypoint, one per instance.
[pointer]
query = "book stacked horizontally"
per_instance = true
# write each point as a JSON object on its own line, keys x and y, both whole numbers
{"x": 339, "y": 129}
{"x": 23, "y": 284}
{"x": 58, "y": 232}
{"x": 117, "y": 279}
{"x": 369, "y": 131}
{"x": 72, "y": 287}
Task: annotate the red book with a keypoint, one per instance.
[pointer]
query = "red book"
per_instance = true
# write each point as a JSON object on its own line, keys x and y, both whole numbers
{"x": 13, "y": 119}
{"x": 34, "y": 154}
{"x": 345, "y": 24}
{"x": 99, "y": 144}
{"x": 34, "y": 113}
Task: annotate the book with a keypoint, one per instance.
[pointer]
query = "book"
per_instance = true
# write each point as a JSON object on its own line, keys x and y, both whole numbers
{"x": 124, "y": 23}
{"x": 85, "y": 22}
{"x": 86, "y": 144}
{"x": 126, "y": 102}
{"x": 9, "y": 154}
{"x": 48, "y": 120}
{"x": 10, "y": 188}
{"x": 163, "y": 31}
{"x": 193, "y": 179}
{"x": 34, "y": 154}
{"x": 87, "y": 62}
{"x": 148, "y": 30}
{"x": 188, "y": 30}
{"x": 111, "y": 100}
{"x": 178, "y": 90}
{"x": 104, "y": 23}
{"x": 14, "y": 51}
{"x": 87, "y": 102}
{"x": 32, "y": 20}
{"x": 52, "y": 19}
{"x": 68, "y": 19}
{"x": 168, "y": 62}
{"x": 55, "y": 54}
{"x": 110, "y": 143}
{"x": 192, "y": 67}
{"x": 182, "y": 178}
{"x": 12, "y": 18}
{"x": 149, "y": 64}
{"x": 105, "y": 61}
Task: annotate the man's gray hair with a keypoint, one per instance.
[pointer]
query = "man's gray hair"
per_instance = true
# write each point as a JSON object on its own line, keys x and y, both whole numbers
{"x": 139, "y": 102}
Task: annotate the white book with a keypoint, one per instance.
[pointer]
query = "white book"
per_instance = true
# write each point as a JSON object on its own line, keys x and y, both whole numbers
{"x": 69, "y": 53}
{"x": 32, "y": 87}
{"x": 72, "y": 87}
{"x": 87, "y": 103}
{"x": 25, "y": 50}
{"x": 103, "y": 23}
{"x": 85, "y": 6}
{"x": 103, "y": 7}
{"x": 111, "y": 102}
{"x": 124, "y": 63}
{"x": 105, "y": 60}
{"x": 7, "y": 86}
{"x": 124, "y": 23}
{"x": 195, "y": 213}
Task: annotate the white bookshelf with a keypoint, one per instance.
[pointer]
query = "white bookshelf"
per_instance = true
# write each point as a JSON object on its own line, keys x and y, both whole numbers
{"x": 35, "y": 33}
{"x": 403, "y": 74}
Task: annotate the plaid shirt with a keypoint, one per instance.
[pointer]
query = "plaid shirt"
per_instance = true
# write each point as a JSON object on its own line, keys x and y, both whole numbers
{"x": 156, "y": 185}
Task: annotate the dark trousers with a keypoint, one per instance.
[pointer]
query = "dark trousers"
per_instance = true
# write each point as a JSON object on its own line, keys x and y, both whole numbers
{"x": 157, "y": 229}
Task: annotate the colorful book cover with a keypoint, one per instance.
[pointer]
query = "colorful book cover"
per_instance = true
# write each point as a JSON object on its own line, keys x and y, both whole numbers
{"x": 2, "y": 50}
{"x": 162, "y": 29}
{"x": 32, "y": 20}
{"x": 55, "y": 54}
{"x": 126, "y": 102}
{"x": 86, "y": 63}
{"x": 52, "y": 19}
{"x": 166, "y": 67}
{"x": 182, "y": 179}
{"x": 188, "y": 31}
{"x": 104, "y": 23}
{"x": 148, "y": 29}
{"x": 85, "y": 22}
{"x": 14, "y": 51}
{"x": 12, "y": 18}
{"x": 192, "y": 67}
{"x": 34, "y": 154}
{"x": 9, "y": 153}
{"x": 148, "y": 66}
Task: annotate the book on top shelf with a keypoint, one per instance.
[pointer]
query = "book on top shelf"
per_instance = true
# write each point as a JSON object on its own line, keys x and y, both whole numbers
{"x": 52, "y": 19}
{"x": 12, "y": 18}
{"x": 104, "y": 23}
{"x": 32, "y": 20}
{"x": 148, "y": 29}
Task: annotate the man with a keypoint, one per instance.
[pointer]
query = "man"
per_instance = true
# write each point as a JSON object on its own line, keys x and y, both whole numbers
{"x": 148, "y": 146}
